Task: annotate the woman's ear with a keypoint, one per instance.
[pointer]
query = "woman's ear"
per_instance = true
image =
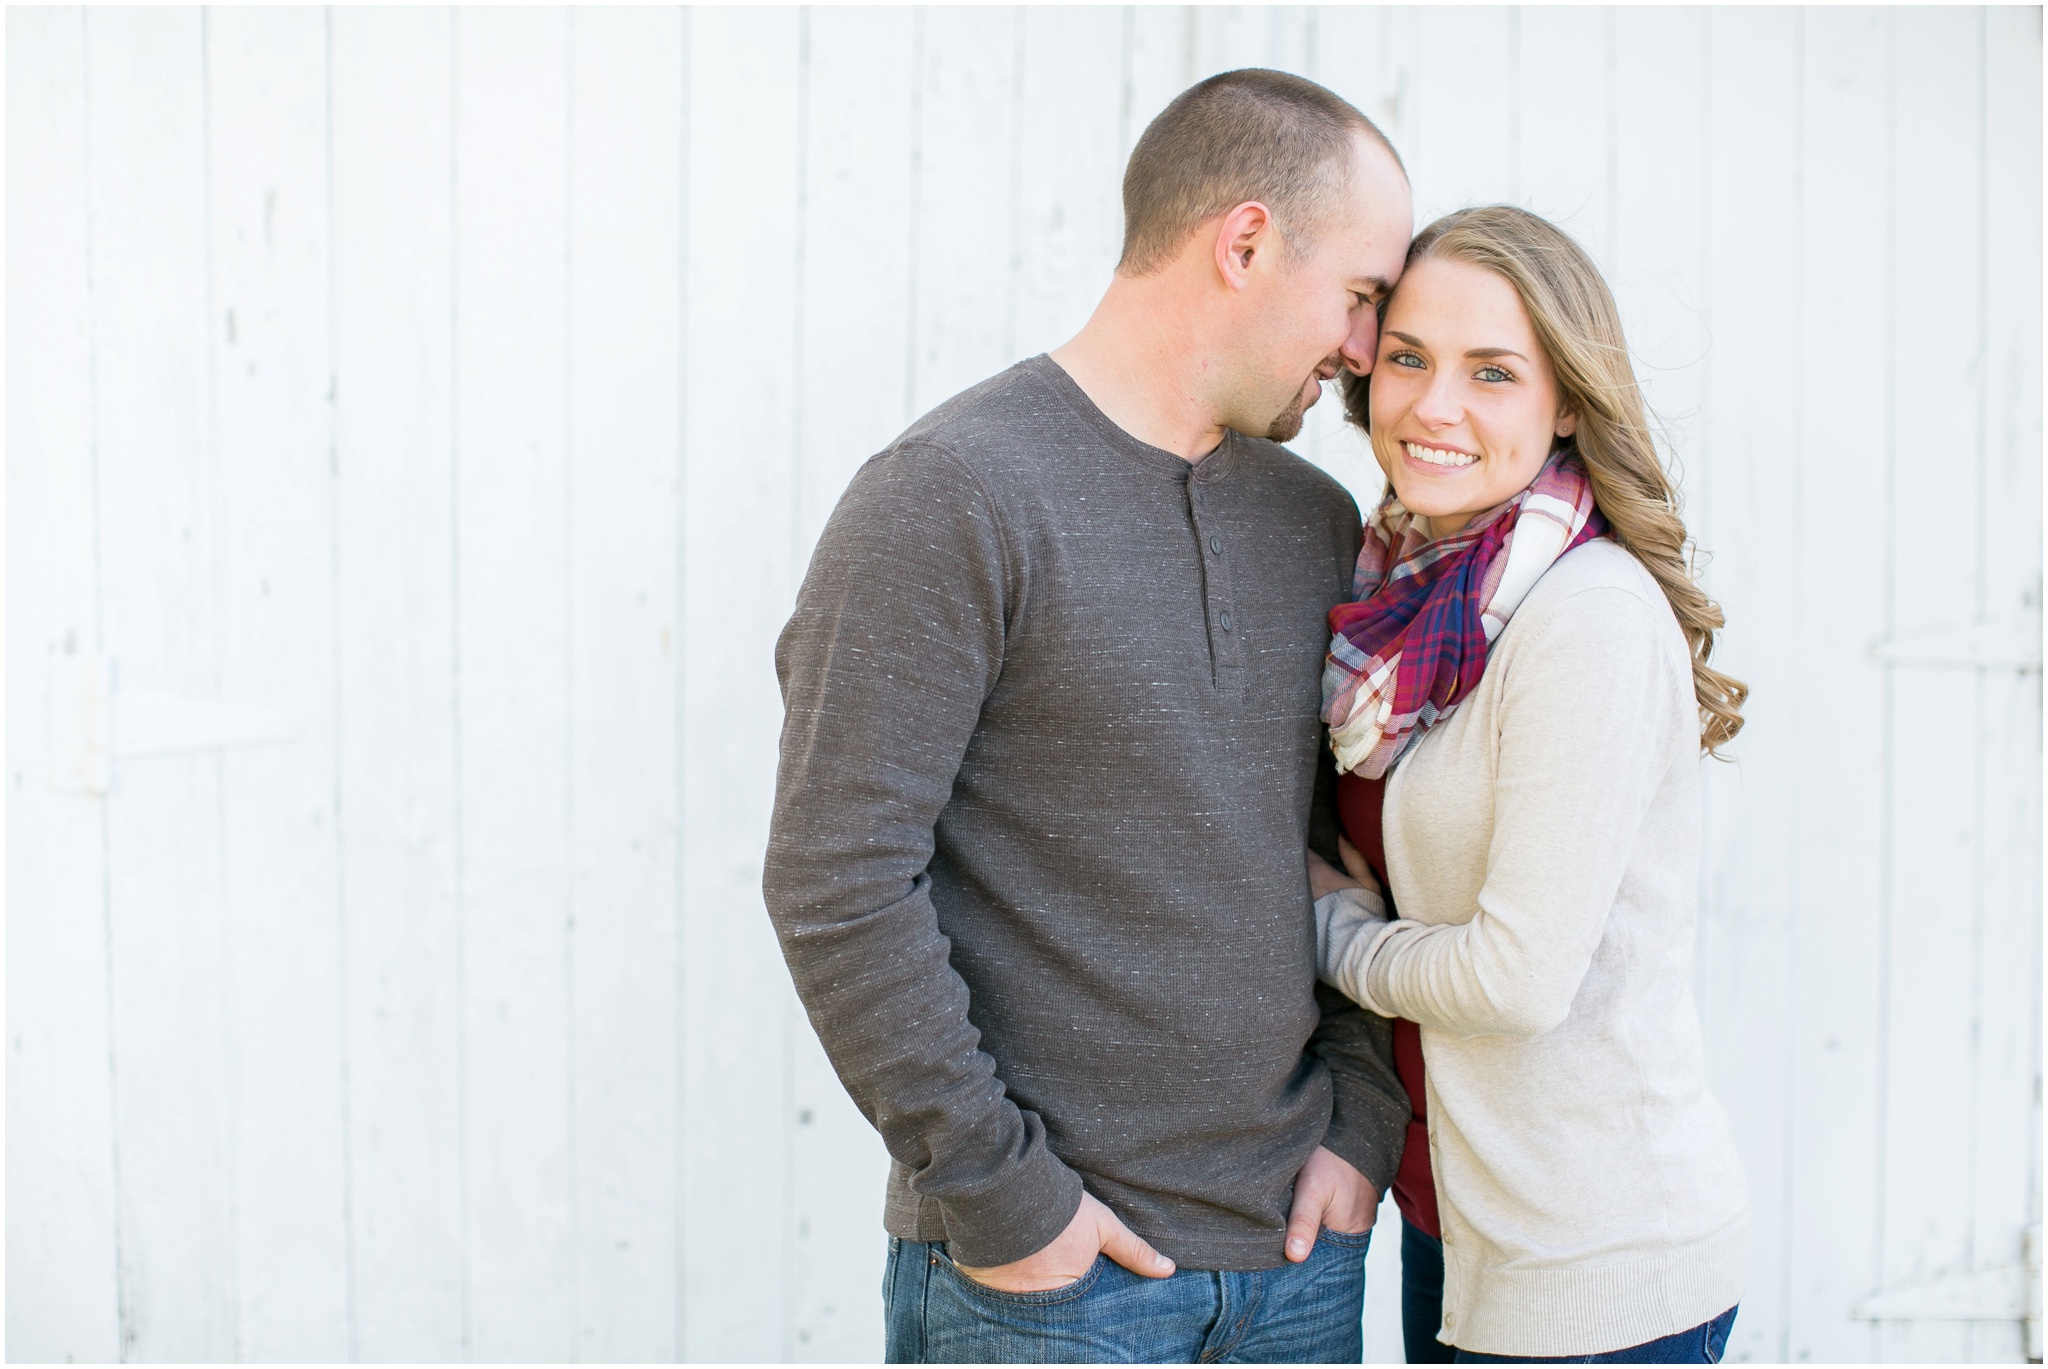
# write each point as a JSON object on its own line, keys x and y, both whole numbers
{"x": 1567, "y": 423}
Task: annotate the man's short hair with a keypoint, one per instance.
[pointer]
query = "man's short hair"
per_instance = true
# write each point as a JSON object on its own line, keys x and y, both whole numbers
{"x": 1242, "y": 135}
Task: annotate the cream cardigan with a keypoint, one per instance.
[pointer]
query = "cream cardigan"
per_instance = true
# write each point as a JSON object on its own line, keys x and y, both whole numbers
{"x": 1543, "y": 845}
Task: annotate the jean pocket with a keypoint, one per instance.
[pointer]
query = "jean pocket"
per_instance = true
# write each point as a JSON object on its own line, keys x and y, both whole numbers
{"x": 1359, "y": 1239}
{"x": 1717, "y": 1336}
{"x": 1047, "y": 1297}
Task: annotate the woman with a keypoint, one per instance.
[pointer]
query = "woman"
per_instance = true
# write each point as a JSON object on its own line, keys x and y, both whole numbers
{"x": 1518, "y": 701}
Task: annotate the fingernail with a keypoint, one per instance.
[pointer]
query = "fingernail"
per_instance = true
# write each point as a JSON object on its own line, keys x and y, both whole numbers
{"x": 1297, "y": 1248}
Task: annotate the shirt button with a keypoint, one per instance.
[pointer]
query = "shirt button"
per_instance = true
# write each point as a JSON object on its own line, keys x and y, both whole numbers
{"x": 1216, "y": 545}
{"x": 1225, "y": 621}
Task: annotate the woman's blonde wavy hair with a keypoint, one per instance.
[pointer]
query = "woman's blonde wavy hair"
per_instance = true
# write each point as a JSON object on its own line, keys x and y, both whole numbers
{"x": 1578, "y": 325}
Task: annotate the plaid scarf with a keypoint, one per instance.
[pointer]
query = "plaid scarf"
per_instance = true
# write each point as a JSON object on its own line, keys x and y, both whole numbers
{"x": 1426, "y": 612}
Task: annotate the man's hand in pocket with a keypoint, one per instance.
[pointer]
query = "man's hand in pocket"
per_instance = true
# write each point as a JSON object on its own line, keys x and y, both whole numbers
{"x": 1094, "y": 1231}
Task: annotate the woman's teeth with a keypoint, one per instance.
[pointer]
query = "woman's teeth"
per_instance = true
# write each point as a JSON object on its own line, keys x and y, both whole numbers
{"x": 1437, "y": 456}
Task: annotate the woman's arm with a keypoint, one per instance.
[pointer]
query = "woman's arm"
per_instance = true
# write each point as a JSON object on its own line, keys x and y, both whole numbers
{"x": 1586, "y": 739}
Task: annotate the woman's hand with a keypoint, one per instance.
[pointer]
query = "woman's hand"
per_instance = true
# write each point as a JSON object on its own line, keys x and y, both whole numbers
{"x": 1348, "y": 926}
{"x": 1325, "y": 878}
{"x": 1354, "y": 861}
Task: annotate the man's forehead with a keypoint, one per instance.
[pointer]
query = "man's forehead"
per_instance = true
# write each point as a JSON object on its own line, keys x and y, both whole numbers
{"x": 1380, "y": 211}
{"x": 1375, "y": 246}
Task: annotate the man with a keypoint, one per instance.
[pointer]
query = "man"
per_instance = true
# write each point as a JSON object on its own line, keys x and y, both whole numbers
{"x": 1046, "y": 783}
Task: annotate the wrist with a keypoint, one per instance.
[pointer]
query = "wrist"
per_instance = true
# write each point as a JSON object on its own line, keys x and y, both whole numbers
{"x": 1028, "y": 1212}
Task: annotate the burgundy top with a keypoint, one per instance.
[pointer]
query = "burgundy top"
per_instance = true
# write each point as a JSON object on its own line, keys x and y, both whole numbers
{"x": 1358, "y": 810}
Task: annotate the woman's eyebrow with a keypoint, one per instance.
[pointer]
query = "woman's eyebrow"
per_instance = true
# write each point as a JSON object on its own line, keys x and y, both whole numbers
{"x": 1476, "y": 353}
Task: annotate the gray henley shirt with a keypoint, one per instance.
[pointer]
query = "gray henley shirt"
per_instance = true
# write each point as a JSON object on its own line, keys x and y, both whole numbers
{"x": 1036, "y": 861}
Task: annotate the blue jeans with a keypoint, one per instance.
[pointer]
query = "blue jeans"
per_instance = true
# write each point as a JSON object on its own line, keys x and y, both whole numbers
{"x": 1701, "y": 1345}
{"x": 1422, "y": 1297}
{"x": 1305, "y": 1313}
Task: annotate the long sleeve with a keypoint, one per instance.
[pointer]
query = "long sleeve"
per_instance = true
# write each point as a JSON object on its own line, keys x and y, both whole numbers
{"x": 896, "y": 640}
{"x": 1369, "y": 1108}
{"x": 1585, "y": 740}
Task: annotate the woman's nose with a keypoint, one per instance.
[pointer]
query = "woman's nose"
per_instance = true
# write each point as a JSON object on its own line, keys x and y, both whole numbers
{"x": 1439, "y": 407}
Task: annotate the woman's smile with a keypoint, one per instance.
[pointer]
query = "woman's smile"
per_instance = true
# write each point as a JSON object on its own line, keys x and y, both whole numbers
{"x": 1443, "y": 457}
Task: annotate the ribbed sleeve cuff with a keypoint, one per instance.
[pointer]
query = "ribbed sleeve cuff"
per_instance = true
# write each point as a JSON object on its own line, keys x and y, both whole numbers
{"x": 1350, "y": 925}
{"x": 1367, "y": 1133}
{"x": 1021, "y": 1214}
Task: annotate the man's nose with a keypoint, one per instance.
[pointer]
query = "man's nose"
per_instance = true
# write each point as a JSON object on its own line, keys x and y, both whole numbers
{"x": 1363, "y": 344}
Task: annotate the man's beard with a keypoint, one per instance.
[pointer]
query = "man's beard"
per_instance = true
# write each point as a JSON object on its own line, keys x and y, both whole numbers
{"x": 1287, "y": 426}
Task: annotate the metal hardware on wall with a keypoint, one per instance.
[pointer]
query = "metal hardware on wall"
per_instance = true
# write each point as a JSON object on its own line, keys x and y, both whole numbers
{"x": 2001, "y": 1293}
{"x": 2013, "y": 644}
{"x": 91, "y": 723}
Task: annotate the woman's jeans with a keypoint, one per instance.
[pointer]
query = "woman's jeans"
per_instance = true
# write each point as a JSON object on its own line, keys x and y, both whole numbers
{"x": 1305, "y": 1313}
{"x": 1422, "y": 1296}
{"x": 1422, "y": 1311}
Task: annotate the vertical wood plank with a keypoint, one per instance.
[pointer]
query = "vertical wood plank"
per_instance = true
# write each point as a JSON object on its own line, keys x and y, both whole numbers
{"x": 1565, "y": 124}
{"x": 738, "y": 507}
{"x": 146, "y": 112}
{"x": 1465, "y": 131}
{"x": 1159, "y": 63}
{"x": 855, "y": 265}
{"x": 1367, "y": 55}
{"x": 1291, "y": 37}
{"x": 857, "y": 232}
{"x": 273, "y": 489}
{"x": 1229, "y": 37}
{"x": 2006, "y": 1132}
{"x": 1933, "y": 852}
{"x": 1657, "y": 268}
{"x": 966, "y": 200}
{"x": 1830, "y": 1223}
{"x": 1749, "y": 516}
{"x": 625, "y": 370}
{"x": 1380, "y": 1317}
{"x": 394, "y": 480}
{"x": 61, "y": 1288}
{"x": 512, "y": 626}
{"x": 1070, "y": 176}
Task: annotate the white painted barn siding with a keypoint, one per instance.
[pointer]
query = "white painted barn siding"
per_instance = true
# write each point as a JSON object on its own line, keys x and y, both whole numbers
{"x": 418, "y": 422}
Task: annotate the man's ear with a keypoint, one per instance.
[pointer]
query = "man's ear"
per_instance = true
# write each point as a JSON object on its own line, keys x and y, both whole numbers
{"x": 1241, "y": 235}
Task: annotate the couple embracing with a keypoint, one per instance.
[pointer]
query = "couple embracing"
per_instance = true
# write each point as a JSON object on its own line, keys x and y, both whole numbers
{"x": 1171, "y": 864}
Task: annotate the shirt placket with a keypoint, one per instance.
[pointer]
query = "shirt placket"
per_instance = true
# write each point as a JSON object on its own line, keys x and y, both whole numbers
{"x": 1225, "y": 623}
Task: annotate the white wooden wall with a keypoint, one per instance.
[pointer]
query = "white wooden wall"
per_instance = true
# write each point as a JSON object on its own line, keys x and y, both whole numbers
{"x": 418, "y": 422}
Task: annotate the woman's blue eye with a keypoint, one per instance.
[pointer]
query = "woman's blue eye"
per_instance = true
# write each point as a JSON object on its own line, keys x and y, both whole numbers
{"x": 1493, "y": 373}
{"x": 1406, "y": 359}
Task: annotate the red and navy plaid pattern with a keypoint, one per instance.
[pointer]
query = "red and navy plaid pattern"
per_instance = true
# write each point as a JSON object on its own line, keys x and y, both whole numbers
{"x": 1426, "y": 612}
